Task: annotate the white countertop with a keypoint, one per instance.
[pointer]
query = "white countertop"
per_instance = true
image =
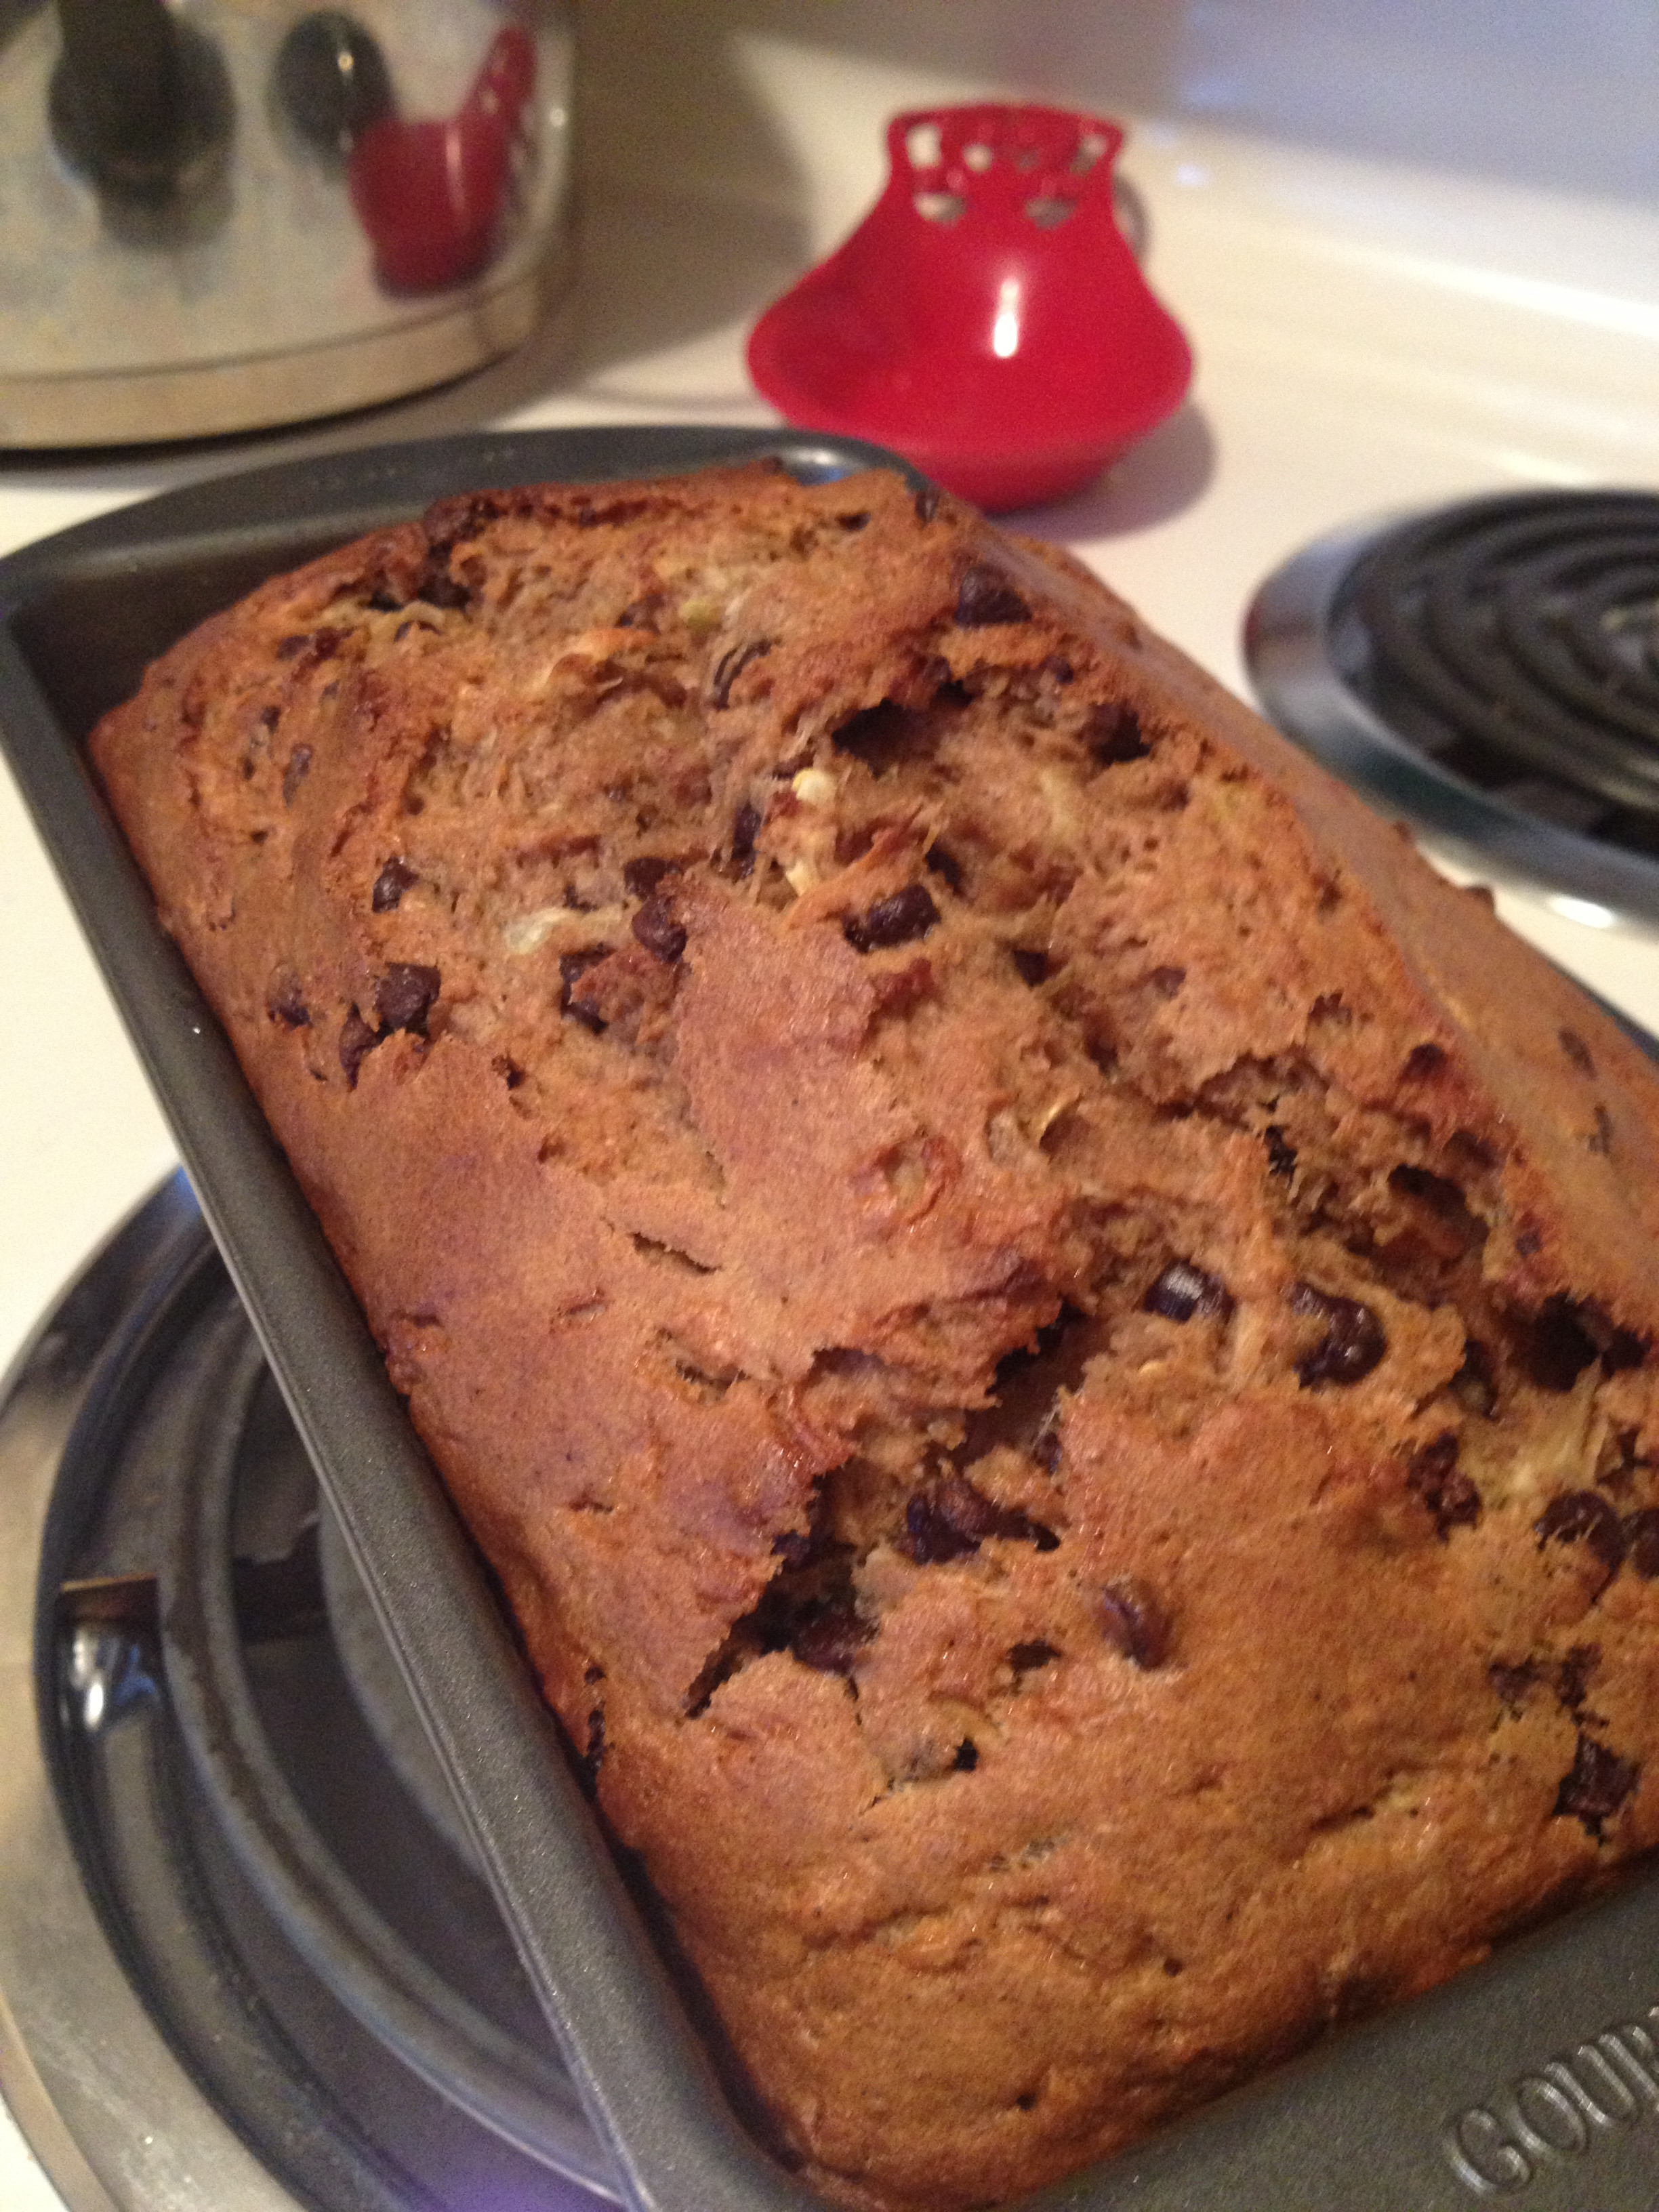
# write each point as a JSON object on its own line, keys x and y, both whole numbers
{"x": 1370, "y": 337}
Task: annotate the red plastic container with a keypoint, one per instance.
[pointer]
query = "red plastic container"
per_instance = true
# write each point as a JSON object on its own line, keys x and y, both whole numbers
{"x": 987, "y": 317}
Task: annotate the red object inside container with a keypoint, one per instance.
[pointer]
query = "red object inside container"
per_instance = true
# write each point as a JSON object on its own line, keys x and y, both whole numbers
{"x": 431, "y": 195}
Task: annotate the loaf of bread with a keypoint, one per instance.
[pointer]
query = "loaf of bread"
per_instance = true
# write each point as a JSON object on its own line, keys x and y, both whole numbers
{"x": 1049, "y": 1335}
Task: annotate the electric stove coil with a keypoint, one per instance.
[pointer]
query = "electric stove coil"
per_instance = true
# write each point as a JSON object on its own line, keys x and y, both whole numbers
{"x": 1490, "y": 671}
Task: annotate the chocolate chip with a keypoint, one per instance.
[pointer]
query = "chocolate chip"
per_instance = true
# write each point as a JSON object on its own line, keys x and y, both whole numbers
{"x": 1281, "y": 1156}
{"x": 405, "y": 995}
{"x": 572, "y": 966}
{"x": 858, "y": 521}
{"x": 1600, "y": 1139}
{"x": 1028, "y": 1658}
{"x": 1475, "y": 1385}
{"x": 745, "y": 828}
{"x": 953, "y": 1519}
{"x": 1577, "y": 1051}
{"x": 1529, "y": 1240}
{"x": 284, "y": 1003}
{"x": 299, "y": 766}
{"x": 642, "y": 874}
{"x": 1512, "y": 1682}
{"x": 925, "y": 501}
{"x": 967, "y": 1758}
{"x": 1595, "y": 1786}
{"x": 1167, "y": 981}
{"x": 1573, "y": 1677}
{"x": 1113, "y": 734}
{"x": 908, "y": 913}
{"x": 985, "y": 596}
{"x": 1432, "y": 1475}
{"x": 357, "y": 1041}
{"x": 831, "y": 1640}
{"x": 440, "y": 589}
{"x": 315, "y": 644}
{"x": 1444, "y": 1197}
{"x": 1033, "y": 966}
{"x": 937, "y": 1529}
{"x": 1619, "y": 1348}
{"x": 1135, "y": 1623}
{"x": 655, "y": 928}
{"x": 593, "y": 1758}
{"x": 730, "y": 665}
{"x": 1354, "y": 1342}
{"x": 1183, "y": 1290}
{"x": 383, "y": 600}
{"x": 1059, "y": 668}
{"x": 1642, "y": 1538}
{"x": 1585, "y": 1516}
{"x": 393, "y": 880}
{"x": 1464, "y": 1144}
{"x": 1423, "y": 1061}
{"x": 944, "y": 865}
{"x": 877, "y": 735}
{"x": 1555, "y": 1346}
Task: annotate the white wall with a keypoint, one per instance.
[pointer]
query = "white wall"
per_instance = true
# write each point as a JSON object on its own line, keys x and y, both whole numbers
{"x": 1558, "y": 92}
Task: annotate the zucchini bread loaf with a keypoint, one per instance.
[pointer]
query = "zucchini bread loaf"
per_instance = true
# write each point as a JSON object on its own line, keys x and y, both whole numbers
{"x": 1051, "y": 1337}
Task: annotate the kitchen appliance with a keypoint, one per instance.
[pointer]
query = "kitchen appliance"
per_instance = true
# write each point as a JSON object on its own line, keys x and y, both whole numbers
{"x": 230, "y": 213}
{"x": 1490, "y": 672}
{"x": 1374, "y": 337}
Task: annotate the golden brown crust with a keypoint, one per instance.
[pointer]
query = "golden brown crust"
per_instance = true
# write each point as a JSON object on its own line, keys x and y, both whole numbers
{"x": 1050, "y": 1336}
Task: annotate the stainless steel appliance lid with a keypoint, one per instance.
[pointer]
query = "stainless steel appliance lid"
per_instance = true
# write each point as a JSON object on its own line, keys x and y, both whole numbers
{"x": 187, "y": 253}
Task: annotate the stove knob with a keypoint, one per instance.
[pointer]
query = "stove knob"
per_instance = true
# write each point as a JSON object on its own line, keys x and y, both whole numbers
{"x": 329, "y": 82}
{"x": 139, "y": 103}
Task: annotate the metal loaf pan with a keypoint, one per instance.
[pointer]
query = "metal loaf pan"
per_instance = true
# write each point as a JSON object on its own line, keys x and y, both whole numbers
{"x": 1532, "y": 2081}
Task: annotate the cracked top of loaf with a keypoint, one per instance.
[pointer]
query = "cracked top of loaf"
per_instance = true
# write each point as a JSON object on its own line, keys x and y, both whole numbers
{"x": 1050, "y": 1336}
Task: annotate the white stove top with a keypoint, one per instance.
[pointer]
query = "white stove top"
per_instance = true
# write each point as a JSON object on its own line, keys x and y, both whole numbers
{"x": 1370, "y": 337}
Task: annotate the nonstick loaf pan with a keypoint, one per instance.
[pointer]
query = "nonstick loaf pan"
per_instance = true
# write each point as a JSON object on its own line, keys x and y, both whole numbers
{"x": 1532, "y": 2081}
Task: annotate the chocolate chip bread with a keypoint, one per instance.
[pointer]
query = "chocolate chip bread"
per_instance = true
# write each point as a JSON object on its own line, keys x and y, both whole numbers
{"x": 1050, "y": 1337}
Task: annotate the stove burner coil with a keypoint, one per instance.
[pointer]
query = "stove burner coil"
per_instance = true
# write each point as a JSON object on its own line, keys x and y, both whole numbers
{"x": 1491, "y": 671}
{"x": 1522, "y": 629}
